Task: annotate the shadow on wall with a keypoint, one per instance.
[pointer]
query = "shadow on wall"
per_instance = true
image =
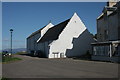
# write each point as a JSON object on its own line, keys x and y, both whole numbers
{"x": 44, "y": 49}
{"x": 80, "y": 45}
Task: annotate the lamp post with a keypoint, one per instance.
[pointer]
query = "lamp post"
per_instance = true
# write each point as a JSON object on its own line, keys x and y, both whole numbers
{"x": 11, "y": 30}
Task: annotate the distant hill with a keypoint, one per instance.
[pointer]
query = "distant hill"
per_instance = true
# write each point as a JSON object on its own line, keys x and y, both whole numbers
{"x": 16, "y": 50}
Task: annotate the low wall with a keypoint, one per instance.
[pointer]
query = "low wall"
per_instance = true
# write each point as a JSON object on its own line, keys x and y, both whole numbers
{"x": 106, "y": 58}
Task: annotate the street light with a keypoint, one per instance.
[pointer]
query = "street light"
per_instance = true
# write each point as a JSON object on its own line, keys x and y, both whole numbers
{"x": 11, "y": 30}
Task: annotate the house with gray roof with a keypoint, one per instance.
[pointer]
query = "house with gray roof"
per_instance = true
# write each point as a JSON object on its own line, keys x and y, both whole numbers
{"x": 32, "y": 45}
{"x": 69, "y": 38}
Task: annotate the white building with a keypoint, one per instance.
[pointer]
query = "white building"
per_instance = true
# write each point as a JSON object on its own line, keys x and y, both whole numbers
{"x": 66, "y": 39}
{"x": 108, "y": 34}
{"x": 32, "y": 44}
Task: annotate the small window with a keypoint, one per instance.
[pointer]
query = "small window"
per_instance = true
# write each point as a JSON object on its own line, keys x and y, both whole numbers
{"x": 55, "y": 54}
{"x": 61, "y": 55}
{"x": 106, "y": 34}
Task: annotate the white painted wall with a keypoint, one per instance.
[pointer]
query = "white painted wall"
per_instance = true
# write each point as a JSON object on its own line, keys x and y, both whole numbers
{"x": 74, "y": 29}
{"x": 44, "y": 30}
{"x": 36, "y": 37}
{"x": 43, "y": 46}
{"x": 32, "y": 41}
{"x": 28, "y": 45}
{"x": 81, "y": 45}
{"x": 119, "y": 50}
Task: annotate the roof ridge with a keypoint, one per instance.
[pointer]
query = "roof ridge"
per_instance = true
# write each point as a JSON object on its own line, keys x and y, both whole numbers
{"x": 38, "y": 30}
{"x": 54, "y": 32}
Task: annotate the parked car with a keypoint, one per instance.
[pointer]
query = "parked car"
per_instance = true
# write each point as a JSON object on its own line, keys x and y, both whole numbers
{"x": 5, "y": 53}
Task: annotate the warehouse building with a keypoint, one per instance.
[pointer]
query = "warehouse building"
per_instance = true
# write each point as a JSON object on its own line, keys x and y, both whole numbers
{"x": 69, "y": 38}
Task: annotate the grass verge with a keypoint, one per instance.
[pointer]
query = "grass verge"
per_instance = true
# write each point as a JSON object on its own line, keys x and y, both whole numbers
{"x": 8, "y": 59}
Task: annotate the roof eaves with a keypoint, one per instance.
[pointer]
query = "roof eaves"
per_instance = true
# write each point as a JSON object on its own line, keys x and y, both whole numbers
{"x": 36, "y": 32}
{"x": 101, "y": 16}
{"x": 44, "y": 39}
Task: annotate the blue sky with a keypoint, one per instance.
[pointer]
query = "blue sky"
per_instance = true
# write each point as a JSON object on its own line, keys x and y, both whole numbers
{"x": 27, "y": 17}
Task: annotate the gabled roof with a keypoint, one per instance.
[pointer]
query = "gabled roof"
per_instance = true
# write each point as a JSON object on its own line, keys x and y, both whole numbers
{"x": 54, "y": 32}
{"x": 38, "y": 31}
{"x": 108, "y": 8}
{"x": 44, "y": 30}
{"x": 34, "y": 33}
{"x": 101, "y": 16}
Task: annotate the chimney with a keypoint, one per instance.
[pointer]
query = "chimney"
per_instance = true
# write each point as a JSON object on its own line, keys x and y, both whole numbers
{"x": 111, "y": 3}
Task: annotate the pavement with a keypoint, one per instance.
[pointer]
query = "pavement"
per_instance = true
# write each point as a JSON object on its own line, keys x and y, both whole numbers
{"x": 33, "y": 67}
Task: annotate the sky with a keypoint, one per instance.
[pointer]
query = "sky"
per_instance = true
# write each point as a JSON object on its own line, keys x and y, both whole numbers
{"x": 27, "y": 17}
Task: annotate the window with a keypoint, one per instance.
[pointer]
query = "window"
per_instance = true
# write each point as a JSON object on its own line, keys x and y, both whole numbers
{"x": 61, "y": 55}
{"x": 55, "y": 54}
{"x": 106, "y": 34}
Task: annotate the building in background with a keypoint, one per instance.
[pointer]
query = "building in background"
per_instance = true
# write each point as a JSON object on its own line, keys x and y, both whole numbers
{"x": 66, "y": 39}
{"x": 32, "y": 45}
{"x": 108, "y": 34}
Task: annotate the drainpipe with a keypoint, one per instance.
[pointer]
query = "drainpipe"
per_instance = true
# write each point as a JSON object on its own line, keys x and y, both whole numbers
{"x": 110, "y": 50}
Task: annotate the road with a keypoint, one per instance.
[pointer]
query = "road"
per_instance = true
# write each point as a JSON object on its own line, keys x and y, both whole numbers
{"x": 33, "y": 67}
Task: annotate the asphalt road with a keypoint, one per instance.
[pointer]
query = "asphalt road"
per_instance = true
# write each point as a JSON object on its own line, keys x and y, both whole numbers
{"x": 33, "y": 67}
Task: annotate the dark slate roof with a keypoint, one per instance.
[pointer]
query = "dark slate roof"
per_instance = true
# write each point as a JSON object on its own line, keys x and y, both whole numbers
{"x": 34, "y": 33}
{"x": 54, "y": 32}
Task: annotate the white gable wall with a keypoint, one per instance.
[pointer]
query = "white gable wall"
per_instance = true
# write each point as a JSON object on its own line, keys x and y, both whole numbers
{"x": 74, "y": 29}
{"x": 44, "y": 30}
{"x": 28, "y": 45}
{"x": 81, "y": 45}
{"x": 36, "y": 37}
{"x": 42, "y": 46}
{"x": 32, "y": 44}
